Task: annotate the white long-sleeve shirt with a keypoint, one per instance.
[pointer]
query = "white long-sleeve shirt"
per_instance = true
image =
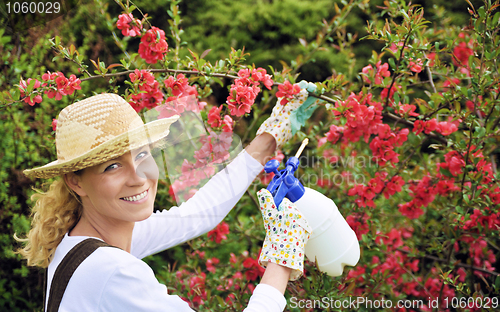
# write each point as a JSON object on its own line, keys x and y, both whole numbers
{"x": 111, "y": 279}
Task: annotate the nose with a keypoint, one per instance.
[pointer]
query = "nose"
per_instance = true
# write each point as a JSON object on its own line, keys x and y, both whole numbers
{"x": 147, "y": 169}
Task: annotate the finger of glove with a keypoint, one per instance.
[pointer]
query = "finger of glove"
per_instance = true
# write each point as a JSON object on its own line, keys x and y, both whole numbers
{"x": 293, "y": 214}
{"x": 267, "y": 205}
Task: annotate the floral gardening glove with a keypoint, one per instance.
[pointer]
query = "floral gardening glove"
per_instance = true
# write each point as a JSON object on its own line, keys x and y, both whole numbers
{"x": 290, "y": 113}
{"x": 287, "y": 232}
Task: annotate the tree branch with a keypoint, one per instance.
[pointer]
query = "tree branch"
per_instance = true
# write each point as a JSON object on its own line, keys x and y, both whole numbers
{"x": 189, "y": 72}
{"x": 457, "y": 264}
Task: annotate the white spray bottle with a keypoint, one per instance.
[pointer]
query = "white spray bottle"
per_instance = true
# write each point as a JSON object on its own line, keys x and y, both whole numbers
{"x": 333, "y": 244}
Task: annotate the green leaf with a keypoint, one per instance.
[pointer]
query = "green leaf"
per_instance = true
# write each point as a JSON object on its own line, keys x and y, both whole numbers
{"x": 205, "y": 53}
{"x": 16, "y": 95}
{"x": 466, "y": 198}
{"x": 397, "y": 99}
{"x": 391, "y": 62}
{"x": 445, "y": 172}
{"x": 31, "y": 86}
{"x": 480, "y": 132}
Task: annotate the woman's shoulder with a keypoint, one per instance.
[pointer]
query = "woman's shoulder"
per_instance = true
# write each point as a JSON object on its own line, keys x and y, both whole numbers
{"x": 102, "y": 254}
{"x": 106, "y": 274}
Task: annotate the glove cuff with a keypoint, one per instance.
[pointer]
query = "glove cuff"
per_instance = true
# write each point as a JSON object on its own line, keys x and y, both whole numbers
{"x": 289, "y": 257}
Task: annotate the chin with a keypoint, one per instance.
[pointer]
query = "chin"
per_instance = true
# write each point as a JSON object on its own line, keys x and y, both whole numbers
{"x": 146, "y": 213}
{"x": 144, "y": 216}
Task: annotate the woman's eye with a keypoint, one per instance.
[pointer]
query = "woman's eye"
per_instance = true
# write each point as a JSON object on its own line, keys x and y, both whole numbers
{"x": 141, "y": 155}
{"x": 111, "y": 167}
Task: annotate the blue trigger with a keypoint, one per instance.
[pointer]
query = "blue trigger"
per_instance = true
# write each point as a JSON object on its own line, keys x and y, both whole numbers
{"x": 284, "y": 183}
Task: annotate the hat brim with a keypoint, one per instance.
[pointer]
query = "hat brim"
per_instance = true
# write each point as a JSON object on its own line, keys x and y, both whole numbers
{"x": 149, "y": 133}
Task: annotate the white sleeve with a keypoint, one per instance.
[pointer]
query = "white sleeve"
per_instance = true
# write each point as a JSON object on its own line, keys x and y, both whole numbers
{"x": 133, "y": 287}
{"x": 266, "y": 298}
{"x": 200, "y": 213}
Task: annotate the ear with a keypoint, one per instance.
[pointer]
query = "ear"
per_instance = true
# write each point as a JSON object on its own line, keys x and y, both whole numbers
{"x": 74, "y": 182}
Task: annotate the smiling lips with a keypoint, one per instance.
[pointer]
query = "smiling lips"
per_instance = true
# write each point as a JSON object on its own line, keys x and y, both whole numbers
{"x": 136, "y": 197}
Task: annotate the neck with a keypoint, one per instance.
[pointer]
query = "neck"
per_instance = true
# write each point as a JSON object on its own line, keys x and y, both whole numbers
{"x": 118, "y": 235}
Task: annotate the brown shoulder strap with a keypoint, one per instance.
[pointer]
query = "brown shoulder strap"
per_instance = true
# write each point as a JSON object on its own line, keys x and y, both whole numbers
{"x": 66, "y": 269}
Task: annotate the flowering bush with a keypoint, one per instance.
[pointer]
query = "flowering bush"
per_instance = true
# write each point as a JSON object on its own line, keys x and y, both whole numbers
{"x": 406, "y": 145}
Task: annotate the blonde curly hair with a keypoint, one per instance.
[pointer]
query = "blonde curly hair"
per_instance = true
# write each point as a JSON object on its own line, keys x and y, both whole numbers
{"x": 55, "y": 212}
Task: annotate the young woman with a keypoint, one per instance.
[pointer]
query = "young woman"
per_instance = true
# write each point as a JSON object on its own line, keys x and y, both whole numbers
{"x": 106, "y": 190}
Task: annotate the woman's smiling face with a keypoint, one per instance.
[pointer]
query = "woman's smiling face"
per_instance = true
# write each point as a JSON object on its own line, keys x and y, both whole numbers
{"x": 120, "y": 190}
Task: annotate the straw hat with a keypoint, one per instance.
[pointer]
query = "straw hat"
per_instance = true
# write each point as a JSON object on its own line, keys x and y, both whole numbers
{"x": 98, "y": 129}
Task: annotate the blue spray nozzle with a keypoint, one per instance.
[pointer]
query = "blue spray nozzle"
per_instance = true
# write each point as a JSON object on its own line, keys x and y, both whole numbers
{"x": 284, "y": 183}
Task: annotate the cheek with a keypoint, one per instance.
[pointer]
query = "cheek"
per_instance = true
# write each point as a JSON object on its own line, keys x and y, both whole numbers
{"x": 107, "y": 188}
{"x": 155, "y": 187}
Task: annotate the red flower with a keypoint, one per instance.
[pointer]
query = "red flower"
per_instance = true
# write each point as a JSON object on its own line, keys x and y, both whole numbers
{"x": 211, "y": 264}
{"x": 365, "y": 195}
{"x": 130, "y": 26}
{"x": 416, "y": 66}
{"x": 197, "y": 289}
{"x": 383, "y": 151}
{"x": 233, "y": 258}
{"x": 367, "y": 71}
{"x": 254, "y": 270}
{"x": 214, "y": 119}
{"x": 245, "y": 89}
{"x": 58, "y": 85}
{"x": 383, "y": 94}
{"x": 153, "y": 45}
{"x": 287, "y": 91}
{"x": 148, "y": 90}
{"x": 54, "y": 124}
{"x": 227, "y": 124}
{"x": 432, "y": 58}
{"x": 454, "y": 162}
{"x": 219, "y": 233}
{"x": 410, "y": 210}
{"x": 261, "y": 75}
{"x": 362, "y": 116}
{"x": 393, "y": 186}
{"x": 407, "y": 110}
{"x": 425, "y": 126}
{"x": 179, "y": 85}
{"x": 461, "y": 55}
{"x": 241, "y": 98}
{"x": 71, "y": 85}
{"x": 23, "y": 88}
{"x": 446, "y": 128}
{"x": 382, "y": 71}
{"x": 334, "y": 134}
{"x": 358, "y": 223}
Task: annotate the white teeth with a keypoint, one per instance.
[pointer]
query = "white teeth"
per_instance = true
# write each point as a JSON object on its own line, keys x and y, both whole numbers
{"x": 136, "y": 197}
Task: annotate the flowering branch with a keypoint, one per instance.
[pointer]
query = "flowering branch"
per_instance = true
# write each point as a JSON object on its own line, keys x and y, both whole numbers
{"x": 457, "y": 264}
{"x": 176, "y": 71}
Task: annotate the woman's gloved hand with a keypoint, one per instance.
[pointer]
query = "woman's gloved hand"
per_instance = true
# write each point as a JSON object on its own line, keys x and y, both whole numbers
{"x": 285, "y": 120}
{"x": 287, "y": 232}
